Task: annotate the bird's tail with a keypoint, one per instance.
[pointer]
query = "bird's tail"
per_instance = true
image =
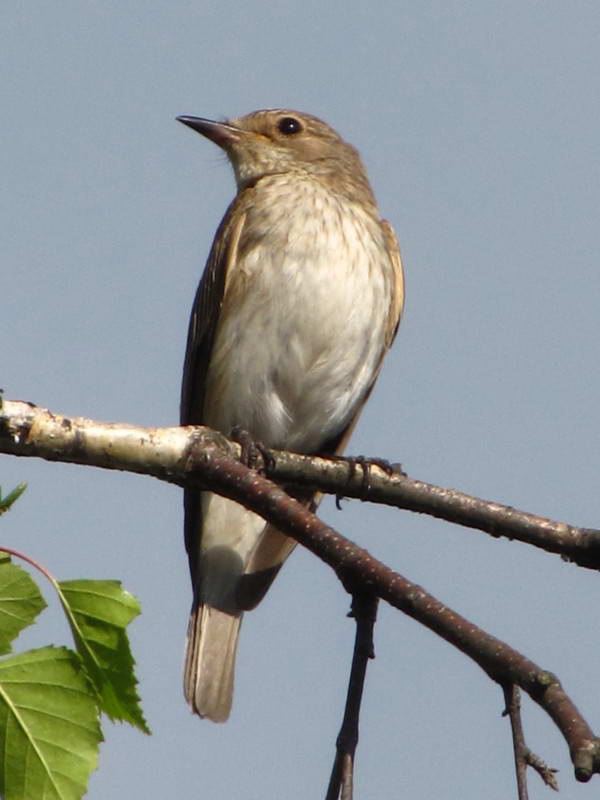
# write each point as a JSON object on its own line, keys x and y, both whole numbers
{"x": 210, "y": 661}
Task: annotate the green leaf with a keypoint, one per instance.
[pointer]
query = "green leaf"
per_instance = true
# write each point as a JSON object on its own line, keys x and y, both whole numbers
{"x": 99, "y": 612}
{"x": 49, "y": 729}
{"x": 20, "y": 602}
{"x": 6, "y": 502}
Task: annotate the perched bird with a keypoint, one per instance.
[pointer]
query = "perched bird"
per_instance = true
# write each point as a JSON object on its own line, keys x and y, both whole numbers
{"x": 298, "y": 304}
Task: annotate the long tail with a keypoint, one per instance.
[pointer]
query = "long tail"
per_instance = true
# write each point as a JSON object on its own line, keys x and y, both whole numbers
{"x": 210, "y": 661}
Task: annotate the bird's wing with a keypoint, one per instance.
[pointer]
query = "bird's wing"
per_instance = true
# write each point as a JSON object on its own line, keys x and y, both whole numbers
{"x": 201, "y": 335}
{"x": 397, "y": 304}
{"x": 206, "y": 311}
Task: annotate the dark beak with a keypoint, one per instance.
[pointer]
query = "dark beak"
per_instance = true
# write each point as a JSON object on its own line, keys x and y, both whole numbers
{"x": 218, "y": 132}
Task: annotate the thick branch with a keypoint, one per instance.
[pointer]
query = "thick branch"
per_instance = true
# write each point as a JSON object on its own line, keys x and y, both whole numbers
{"x": 355, "y": 566}
{"x": 195, "y": 457}
{"x": 26, "y": 430}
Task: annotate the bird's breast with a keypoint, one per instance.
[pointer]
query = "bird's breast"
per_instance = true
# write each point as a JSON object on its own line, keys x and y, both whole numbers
{"x": 301, "y": 331}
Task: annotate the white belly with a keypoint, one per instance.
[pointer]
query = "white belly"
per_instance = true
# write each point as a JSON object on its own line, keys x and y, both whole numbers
{"x": 301, "y": 332}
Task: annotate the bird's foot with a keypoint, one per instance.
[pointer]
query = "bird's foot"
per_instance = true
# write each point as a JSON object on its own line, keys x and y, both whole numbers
{"x": 251, "y": 449}
{"x": 366, "y": 464}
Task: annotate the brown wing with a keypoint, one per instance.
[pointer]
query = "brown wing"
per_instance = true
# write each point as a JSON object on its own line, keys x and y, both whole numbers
{"x": 201, "y": 335}
{"x": 397, "y": 304}
{"x": 206, "y": 311}
{"x": 274, "y": 547}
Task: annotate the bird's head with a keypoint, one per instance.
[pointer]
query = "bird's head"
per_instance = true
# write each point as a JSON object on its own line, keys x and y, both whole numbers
{"x": 280, "y": 141}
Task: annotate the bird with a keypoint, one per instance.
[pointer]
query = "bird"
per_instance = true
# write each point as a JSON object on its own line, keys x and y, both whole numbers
{"x": 298, "y": 304}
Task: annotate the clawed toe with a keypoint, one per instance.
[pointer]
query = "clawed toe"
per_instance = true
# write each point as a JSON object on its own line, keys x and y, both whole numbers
{"x": 366, "y": 464}
{"x": 251, "y": 449}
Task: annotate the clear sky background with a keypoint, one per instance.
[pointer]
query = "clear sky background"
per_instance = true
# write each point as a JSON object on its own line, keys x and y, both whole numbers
{"x": 480, "y": 128}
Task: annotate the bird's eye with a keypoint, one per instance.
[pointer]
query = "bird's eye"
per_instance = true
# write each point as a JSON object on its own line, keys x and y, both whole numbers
{"x": 289, "y": 125}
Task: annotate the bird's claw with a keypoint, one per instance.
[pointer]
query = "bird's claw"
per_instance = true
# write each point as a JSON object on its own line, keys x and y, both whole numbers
{"x": 251, "y": 449}
{"x": 366, "y": 464}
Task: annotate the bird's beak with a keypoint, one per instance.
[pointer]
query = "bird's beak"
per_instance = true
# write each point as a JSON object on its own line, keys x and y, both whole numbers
{"x": 220, "y": 133}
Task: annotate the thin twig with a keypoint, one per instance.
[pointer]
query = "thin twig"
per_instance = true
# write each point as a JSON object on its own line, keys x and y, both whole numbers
{"x": 524, "y": 757}
{"x": 512, "y": 699}
{"x": 546, "y": 773}
{"x": 364, "y": 611}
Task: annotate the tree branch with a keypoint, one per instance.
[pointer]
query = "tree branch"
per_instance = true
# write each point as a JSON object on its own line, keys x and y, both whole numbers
{"x": 28, "y": 430}
{"x": 355, "y": 566}
{"x": 524, "y": 757}
{"x": 200, "y": 457}
{"x": 513, "y": 710}
{"x": 364, "y": 611}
